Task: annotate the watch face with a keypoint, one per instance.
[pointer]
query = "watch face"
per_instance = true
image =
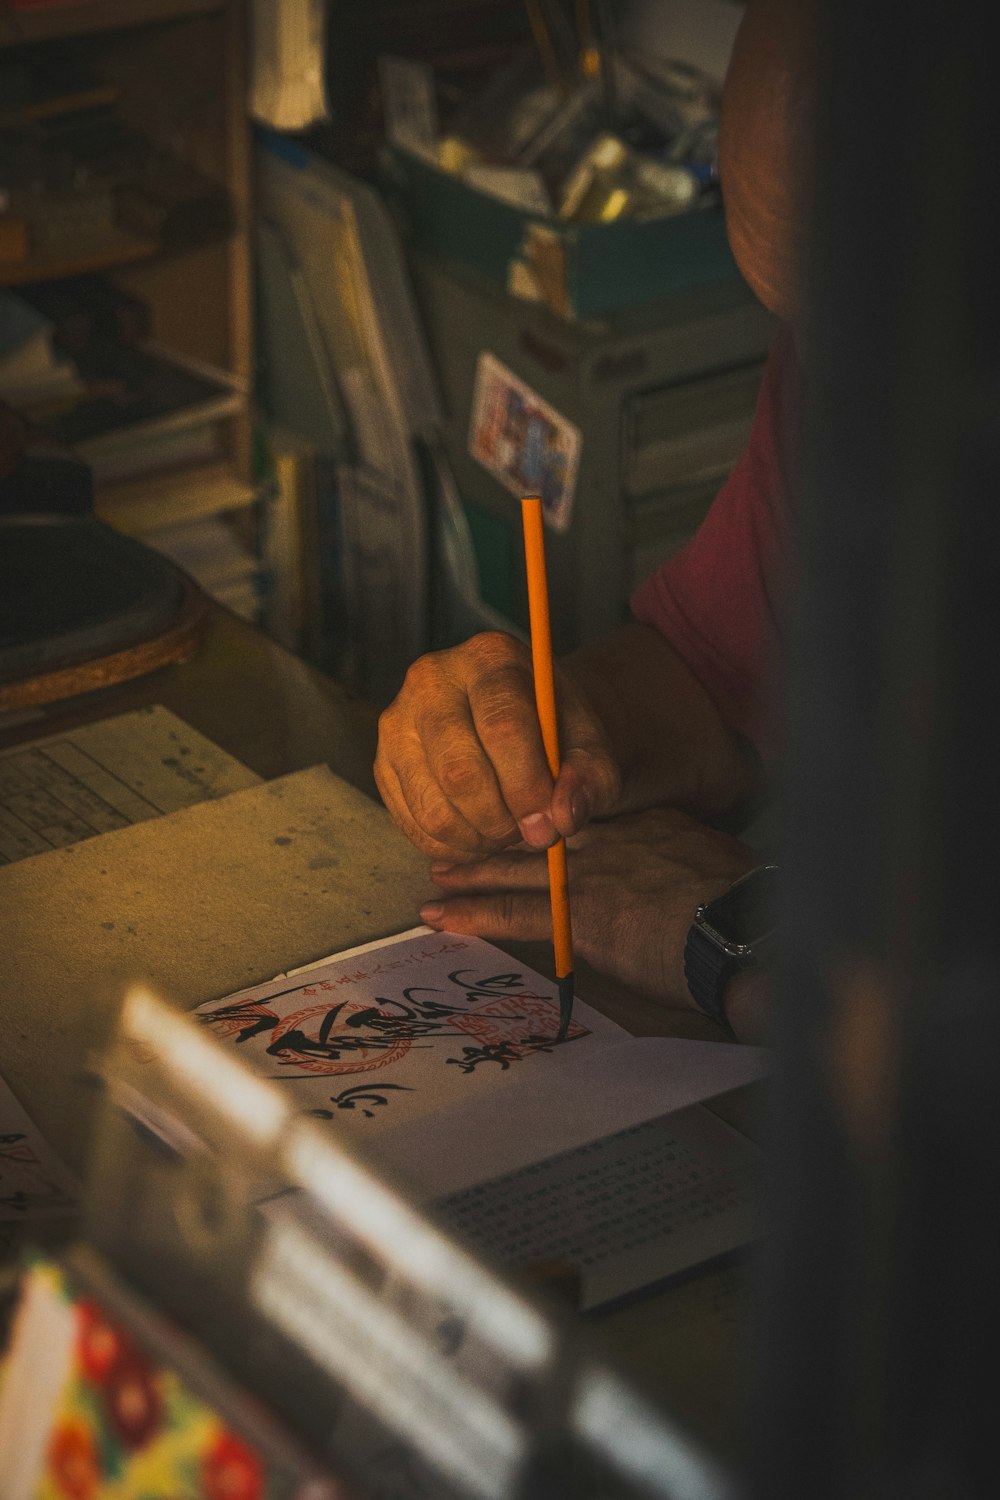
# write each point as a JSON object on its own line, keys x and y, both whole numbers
{"x": 743, "y": 918}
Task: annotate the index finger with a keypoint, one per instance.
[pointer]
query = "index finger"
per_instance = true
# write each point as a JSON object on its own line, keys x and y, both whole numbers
{"x": 502, "y": 705}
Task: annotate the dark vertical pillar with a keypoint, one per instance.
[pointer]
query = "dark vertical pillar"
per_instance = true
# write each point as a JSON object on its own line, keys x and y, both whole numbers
{"x": 878, "y": 1286}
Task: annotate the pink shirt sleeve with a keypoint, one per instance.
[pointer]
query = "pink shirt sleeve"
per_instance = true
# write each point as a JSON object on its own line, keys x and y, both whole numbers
{"x": 722, "y": 600}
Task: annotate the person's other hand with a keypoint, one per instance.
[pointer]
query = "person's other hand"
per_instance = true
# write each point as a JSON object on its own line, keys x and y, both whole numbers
{"x": 635, "y": 882}
{"x": 461, "y": 766}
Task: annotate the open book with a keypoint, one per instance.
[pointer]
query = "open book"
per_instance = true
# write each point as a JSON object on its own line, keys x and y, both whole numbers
{"x": 440, "y": 1050}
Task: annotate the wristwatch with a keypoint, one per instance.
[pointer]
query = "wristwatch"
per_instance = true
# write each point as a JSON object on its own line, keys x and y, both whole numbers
{"x": 735, "y": 931}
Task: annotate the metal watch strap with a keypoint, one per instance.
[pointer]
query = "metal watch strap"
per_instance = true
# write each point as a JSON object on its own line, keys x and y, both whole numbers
{"x": 707, "y": 970}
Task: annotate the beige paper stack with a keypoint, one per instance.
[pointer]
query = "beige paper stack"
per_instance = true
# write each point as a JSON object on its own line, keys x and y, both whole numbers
{"x": 198, "y": 903}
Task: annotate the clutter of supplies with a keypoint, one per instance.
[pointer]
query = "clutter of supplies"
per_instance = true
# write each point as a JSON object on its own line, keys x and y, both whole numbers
{"x": 626, "y": 137}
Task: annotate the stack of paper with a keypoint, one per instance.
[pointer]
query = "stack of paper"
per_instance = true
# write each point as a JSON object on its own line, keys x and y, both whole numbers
{"x": 31, "y": 372}
{"x": 441, "y": 1051}
{"x": 217, "y": 559}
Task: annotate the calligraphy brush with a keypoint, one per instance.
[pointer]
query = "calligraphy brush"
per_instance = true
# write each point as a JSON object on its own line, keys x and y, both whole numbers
{"x": 545, "y": 702}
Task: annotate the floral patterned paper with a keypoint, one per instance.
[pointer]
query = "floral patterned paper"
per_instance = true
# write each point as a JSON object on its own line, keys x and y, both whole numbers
{"x": 128, "y": 1429}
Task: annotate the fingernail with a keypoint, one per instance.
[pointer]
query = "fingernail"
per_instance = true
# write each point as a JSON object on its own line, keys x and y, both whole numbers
{"x": 440, "y": 867}
{"x": 580, "y": 808}
{"x": 432, "y": 913}
{"x": 538, "y": 830}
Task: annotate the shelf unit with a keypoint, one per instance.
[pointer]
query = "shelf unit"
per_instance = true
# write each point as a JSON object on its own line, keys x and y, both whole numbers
{"x": 122, "y": 249}
{"x": 70, "y": 18}
{"x": 179, "y": 68}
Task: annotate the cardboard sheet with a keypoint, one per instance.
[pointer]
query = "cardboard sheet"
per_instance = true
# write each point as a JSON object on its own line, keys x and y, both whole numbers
{"x": 199, "y": 903}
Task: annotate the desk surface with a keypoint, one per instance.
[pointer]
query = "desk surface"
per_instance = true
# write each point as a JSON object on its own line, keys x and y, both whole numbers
{"x": 687, "y": 1345}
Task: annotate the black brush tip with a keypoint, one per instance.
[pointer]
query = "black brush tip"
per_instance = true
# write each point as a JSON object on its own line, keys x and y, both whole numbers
{"x": 565, "y": 1005}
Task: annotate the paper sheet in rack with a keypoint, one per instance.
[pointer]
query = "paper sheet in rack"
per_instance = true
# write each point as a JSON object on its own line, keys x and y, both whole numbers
{"x": 99, "y": 777}
{"x": 34, "y": 1184}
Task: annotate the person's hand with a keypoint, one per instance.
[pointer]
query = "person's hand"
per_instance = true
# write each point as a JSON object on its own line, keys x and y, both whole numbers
{"x": 635, "y": 882}
{"x": 461, "y": 766}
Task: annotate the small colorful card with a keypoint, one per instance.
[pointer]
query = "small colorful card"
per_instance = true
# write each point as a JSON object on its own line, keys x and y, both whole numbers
{"x": 523, "y": 441}
{"x": 88, "y": 1412}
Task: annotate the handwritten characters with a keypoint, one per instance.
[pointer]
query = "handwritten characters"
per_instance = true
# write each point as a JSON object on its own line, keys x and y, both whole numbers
{"x": 359, "y": 1095}
{"x": 348, "y": 1037}
{"x": 26, "y": 1187}
{"x": 405, "y": 1009}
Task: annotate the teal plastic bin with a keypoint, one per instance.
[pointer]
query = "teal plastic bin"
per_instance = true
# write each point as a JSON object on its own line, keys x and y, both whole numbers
{"x": 590, "y": 271}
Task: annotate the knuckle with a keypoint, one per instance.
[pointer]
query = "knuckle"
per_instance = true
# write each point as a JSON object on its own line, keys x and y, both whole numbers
{"x": 381, "y": 780}
{"x": 420, "y": 676}
{"x": 388, "y": 784}
{"x": 436, "y": 822}
{"x": 434, "y": 817}
{"x": 602, "y": 776}
{"x": 387, "y": 725}
{"x": 492, "y": 649}
{"x": 497, "y": 831}
{"x": 609, "y": 779}
{"x": 500, "y": 824}
{"x": 460, "y": 776}
{"x": 494, "y": 716}
{"x": 504, "y": 708}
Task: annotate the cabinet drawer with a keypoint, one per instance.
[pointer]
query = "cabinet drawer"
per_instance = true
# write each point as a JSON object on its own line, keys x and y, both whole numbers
{"x": 689, "y": 432}
{"x": 662, "y": 524}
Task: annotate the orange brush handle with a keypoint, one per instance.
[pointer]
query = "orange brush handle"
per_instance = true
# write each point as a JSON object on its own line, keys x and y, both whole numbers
{"x": 562, "y": 934}
{"x": 545, "y": 702}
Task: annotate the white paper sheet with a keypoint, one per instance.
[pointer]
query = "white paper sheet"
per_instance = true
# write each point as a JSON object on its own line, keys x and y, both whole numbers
{"x": 609, "y": 1166}
{"x": 593, "y": 1152}
{"x": 34, "y": 1184}
{"x": 399, "y": 1029}
{"x": 593, "y": 1095}
{"x": 626, "y": 1211}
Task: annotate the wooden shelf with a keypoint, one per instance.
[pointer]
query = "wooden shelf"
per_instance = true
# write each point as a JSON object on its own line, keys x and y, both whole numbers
{"x": 120, "y": 249}
{"x": 177, "y": 72}
{"x": 62, "y": 18}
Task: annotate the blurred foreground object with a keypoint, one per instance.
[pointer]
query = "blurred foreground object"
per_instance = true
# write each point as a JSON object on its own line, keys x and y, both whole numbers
{"x": 879, "y": 1311}
{"x": 288, "y": 79}
{"x": 378, "y": 1346}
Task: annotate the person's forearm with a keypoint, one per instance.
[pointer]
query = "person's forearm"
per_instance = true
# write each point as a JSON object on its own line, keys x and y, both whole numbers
{"x": 669, "y": 739}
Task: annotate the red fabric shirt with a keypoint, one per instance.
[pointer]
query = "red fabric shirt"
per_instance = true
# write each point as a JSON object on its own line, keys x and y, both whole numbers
{"x": 722, "y": 601}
